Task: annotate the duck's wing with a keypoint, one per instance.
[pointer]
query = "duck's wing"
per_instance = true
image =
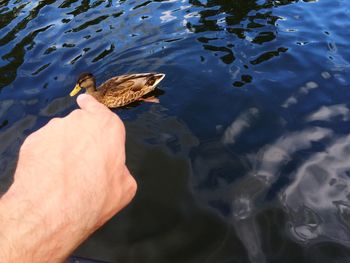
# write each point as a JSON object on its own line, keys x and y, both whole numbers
{"x": 125, "y": 83}
{"x": 113, "y": 85}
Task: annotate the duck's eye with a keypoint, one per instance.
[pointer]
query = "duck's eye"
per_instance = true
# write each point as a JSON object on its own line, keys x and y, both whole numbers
{"x": 82, "y": 81}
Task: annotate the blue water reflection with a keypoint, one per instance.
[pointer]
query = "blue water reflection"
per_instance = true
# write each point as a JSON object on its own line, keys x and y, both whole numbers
{"x": 245, "y": 159}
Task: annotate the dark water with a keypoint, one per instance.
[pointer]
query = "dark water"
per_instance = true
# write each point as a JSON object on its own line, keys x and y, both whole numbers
{"x": 247, "y": 156}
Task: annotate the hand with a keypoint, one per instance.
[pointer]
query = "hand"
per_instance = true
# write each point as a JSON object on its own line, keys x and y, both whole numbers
{"x": 70, "y": 179}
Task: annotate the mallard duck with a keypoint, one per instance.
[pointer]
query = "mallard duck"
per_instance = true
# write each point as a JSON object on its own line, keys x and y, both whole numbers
{"x": 121, "y": 90}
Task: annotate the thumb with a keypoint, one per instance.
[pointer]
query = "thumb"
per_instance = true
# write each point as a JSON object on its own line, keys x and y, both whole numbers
{"x": 89, "y": 103}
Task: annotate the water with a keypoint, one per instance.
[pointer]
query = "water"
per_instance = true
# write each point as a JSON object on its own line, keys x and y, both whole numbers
{"x": 247, "y": 156}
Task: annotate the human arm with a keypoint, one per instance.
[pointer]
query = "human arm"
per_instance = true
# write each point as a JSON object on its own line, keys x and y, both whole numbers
{"x": 70, "y": 179}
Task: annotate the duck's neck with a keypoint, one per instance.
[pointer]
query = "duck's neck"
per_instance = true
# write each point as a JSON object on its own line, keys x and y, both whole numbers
{"x": 91, "y": 90}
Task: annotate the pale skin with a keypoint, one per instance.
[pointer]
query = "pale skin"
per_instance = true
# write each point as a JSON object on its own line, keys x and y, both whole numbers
{"x": 70, "y": 179}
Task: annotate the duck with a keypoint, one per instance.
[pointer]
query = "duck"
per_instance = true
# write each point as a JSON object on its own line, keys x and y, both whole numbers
{"x": 121, "y": 90}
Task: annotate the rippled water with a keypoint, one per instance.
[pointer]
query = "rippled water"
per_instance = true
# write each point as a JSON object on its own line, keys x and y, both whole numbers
{"x": 247, "y": 156}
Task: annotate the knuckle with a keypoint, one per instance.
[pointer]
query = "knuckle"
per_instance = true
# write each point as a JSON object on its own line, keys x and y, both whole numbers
{"x": 114, "y": 123}
{"x": 129, "y": 190}
{"x": 28, "y": 141}
{"x": 75, "y": 114}
{"x": 119, "y": 124}
{"x": 54, "y": 121}
{"x": 131, "y": 184}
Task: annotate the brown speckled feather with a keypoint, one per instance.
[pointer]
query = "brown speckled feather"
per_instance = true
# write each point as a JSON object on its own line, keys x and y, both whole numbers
{"x": 122, "y": 90}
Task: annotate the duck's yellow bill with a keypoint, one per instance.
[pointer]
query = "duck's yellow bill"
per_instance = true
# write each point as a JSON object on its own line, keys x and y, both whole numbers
{"x": 75, "y": 91}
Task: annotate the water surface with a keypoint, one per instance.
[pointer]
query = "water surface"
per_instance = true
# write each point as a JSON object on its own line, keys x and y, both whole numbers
{"x": 247, "y": 156}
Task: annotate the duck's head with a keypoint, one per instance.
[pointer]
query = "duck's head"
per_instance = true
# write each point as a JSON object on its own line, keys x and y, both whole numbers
{"x": 85, "y": 81}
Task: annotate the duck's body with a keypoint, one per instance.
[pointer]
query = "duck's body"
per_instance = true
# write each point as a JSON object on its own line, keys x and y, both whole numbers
{"x": 121, "y": 90}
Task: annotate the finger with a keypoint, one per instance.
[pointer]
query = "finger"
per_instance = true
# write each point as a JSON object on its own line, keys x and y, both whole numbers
{"x": 90, "y": 104}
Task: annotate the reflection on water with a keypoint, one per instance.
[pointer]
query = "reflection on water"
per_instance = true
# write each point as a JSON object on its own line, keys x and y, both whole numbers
{"x": 245, "y": 159}
{"x": 318, "y": 198}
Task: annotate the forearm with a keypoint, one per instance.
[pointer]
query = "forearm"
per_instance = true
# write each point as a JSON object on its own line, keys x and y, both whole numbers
{"x": 20, "y": 229}
{"x": 30, "y": 232}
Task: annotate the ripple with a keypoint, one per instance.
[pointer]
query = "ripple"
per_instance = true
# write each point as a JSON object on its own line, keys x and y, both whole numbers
{"x": 104, "y": 53}
{"x": 268, "y": 55}
{"x": 322, "y": 186}
{"x": 274, "y": 156}
{"x": 253, "y": 118}
{"x": 16, "y": 57}
{"x": 327, "y": 113}
{"x": 91, "y": 22}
